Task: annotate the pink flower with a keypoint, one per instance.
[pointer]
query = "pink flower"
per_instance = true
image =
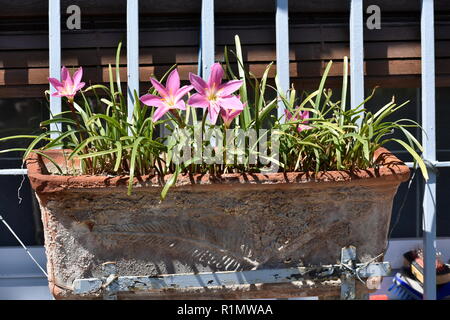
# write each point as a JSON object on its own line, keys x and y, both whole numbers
{"x": 228, "y": 116}
{"x": 302, "y": 115}
{"x": 215, "y": 95}
{"x": 171, "y": 96}
{"x": 68, "y": 86}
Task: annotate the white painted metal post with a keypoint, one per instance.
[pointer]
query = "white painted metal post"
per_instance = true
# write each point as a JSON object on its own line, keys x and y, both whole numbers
{"x": 132, "y": 54}
{"x": 356, "y": 53}
{"x": 54, "y": 46}
{"x": 429, "y": 144}
{"x": 282, "y": 39}
{"x": 207, "y": 37}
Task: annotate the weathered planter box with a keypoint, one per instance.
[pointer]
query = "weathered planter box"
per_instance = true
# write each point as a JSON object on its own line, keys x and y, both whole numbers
{"x": 211, "y": 223}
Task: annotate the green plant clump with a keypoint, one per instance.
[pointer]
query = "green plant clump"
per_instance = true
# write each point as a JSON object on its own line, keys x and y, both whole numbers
{"x": 316, "y": 133}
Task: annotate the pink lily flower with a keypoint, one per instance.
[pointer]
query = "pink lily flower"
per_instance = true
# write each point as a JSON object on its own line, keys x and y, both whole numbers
{"x": 228, "y": 116}
{"x": 302, "y": 115}
{"x": 215, "y": 95}
{"x": 68, "y": 86}
{"x": 171, "y": 96}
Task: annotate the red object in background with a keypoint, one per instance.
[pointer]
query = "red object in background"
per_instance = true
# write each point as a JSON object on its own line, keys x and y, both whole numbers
{"x": 379, "y": 297}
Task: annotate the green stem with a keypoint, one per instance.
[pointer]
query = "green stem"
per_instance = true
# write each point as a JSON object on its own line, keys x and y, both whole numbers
{"x": 178, "y": 118}
{"x": 75, "y": 118}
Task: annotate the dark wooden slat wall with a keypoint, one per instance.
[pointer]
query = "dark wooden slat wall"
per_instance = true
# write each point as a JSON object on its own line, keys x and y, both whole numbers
{"x": 40, "y": 7}
{"x": 392, "y": 54}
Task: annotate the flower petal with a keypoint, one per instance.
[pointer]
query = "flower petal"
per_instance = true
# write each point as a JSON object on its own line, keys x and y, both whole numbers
{"x": 66, "y": 79}
{"x": 287, "y": 114}
{"x": 230, "y": 102}
{"x": 180, "y": 105}
{"x": 198, "y": 83}
{"x": 182, "y": 92}
{"x": 173, "y": 82}
{"x": 154, "y": 101}
{"x": 80, "y": 86}
{"x": 234, "y": 113}
{"x": 198, "y": 101}
{"x": 304, "y": 114}
{"x": 56, "y": 83}
{"x": 64, "y": 73}
{"x": 160, "y": 88}
{"x": 77, "y": 76}
{"x": 213, "y": 113}
{"x": 215, "y": 77}
{"x": 159, "y": 113}
{"x": 225, "y": 89}
{"x": 228, "y": 115}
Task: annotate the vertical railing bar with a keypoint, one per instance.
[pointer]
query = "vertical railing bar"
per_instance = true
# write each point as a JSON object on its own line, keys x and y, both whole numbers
{"x": 429, "y": 144}
{"x": 282, "y": 48}
{"x": 207, "y": 41}
{"x": 132, "y": 54}
{"x": 418, "y": 182}
{"x": 356, "y": 53}
{"x": 54, "y": 47}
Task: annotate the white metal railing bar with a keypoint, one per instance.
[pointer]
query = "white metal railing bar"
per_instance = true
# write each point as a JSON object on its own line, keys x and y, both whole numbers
{"x": 207, "y": 41}
{"x": 429, "y": 144}
{"x": 132, "y": 54}
{"x": 437, "y": 164}
{"x": 282, "y": 48}
{"x": 356, "y": 53}
{"x": 13, "y": 172}
{"x": 54, "y": 46}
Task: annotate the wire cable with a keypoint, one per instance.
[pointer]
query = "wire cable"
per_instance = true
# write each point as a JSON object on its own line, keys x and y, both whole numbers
{"x": 23, "y": 245}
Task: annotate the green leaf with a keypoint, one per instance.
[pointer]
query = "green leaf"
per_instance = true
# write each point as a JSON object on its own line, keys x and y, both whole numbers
{"x": 322, "y": 83}
{"x": 136, "y": 145}
{"x": 416, "y": 157}
{"x": 172, "y": 180}
{"x": 119, "y": 87}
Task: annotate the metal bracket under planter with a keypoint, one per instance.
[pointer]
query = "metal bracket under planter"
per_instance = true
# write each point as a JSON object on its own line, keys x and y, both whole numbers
{"x": 347, "y": 271}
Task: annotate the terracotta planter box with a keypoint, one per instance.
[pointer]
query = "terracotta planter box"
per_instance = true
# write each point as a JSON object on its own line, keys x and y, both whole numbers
{"x": 211, "y": 223}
